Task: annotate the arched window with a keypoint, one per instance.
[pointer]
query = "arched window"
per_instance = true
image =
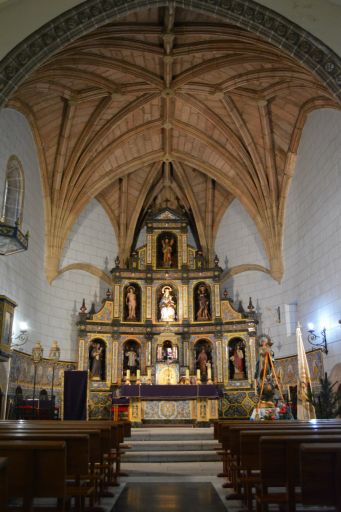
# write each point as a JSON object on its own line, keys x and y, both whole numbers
{"x": 12, "y": 208}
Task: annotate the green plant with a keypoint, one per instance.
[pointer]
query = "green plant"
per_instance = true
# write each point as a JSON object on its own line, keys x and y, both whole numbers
{"x": 327, "y": 402}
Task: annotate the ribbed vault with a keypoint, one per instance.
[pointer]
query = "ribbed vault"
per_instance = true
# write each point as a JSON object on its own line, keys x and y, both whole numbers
{"x": 168, "y": 105}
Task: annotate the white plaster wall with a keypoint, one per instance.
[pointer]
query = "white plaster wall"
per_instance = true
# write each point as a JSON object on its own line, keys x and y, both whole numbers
{"x": 91, "y": 239}
{"x": 237, "y": 240}
{"x": 50, "y": 310}
{"x": 312, "y": 244}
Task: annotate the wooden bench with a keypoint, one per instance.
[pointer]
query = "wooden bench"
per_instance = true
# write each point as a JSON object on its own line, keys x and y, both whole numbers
{"x": 280, "y": 466}
{"x": 101, "y": 458}
{"x": 321, "y": 462}
{"x": 83, "y": 455}
{"x": 3, "y": 484}
{"x": 36, "y": 469}
{"x": 241, "y": 464}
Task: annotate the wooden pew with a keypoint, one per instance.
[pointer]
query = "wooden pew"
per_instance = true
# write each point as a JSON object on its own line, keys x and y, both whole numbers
{"x": 112, "y": 435}
{"x": 35, "y": 469}
{"x": 83, "y": 454}
{"x": 3, "y": 484}
{"x": 280, "y": 466}
{"x": 230, "y": 443}
{"x": 321, "y": 462}
{"x": 108, "y": 439}
{"x": 240, "y": 471}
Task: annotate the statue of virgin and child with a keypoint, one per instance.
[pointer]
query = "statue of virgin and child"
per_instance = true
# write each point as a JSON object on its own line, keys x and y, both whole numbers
{"x": 167, "y": 305}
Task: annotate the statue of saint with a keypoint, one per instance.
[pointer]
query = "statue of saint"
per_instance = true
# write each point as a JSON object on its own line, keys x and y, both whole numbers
{"x": 202, "y": 361}
{"x": 96, "y": 356}
{"x": 204, "y": 304}
{"x": 132, "y": 359}
{"x": 167, "y": 305}
{"x": 238, "y": 362}
{"x": 167, "y": 250}
{"x": 265, "y": 354}
{"x": 131, "y": 302}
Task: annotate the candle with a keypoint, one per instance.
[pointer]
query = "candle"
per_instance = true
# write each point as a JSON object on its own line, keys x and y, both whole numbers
{"x": 209, "y": 372}
{"x": 198, "y": 374}
{"x": 289, "y": 397}
{"x": 149, "y": 373}
{"x": 138, "y": 374}
{"x": 187, "y": 373}
{"x": 128, "y": 375}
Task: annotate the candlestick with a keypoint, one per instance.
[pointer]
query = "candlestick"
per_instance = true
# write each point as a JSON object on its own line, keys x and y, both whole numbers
{"x": 138, "y": 376}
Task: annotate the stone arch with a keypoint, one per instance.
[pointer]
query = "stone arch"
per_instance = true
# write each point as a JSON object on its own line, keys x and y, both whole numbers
{"x": 87, "y": 16}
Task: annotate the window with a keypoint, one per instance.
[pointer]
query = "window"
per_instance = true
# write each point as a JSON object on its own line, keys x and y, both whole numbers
{"x": 291, "y": 318}
{"x": 12, "y": 208}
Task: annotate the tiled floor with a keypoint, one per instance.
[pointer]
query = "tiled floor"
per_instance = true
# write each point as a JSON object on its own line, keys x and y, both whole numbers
{"x": 170, "y": 497}
{"x": 174, "y": 474}
{"x": 172, "y": 486}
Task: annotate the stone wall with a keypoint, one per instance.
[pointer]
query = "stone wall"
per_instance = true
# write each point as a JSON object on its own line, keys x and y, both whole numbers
{"x": 310, "y": 289}
{"x": 50, "y": 310}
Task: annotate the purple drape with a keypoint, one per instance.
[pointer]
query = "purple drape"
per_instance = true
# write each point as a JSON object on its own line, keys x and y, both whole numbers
{"x": 172, "y": 391}
{"x": 75, "y": 395}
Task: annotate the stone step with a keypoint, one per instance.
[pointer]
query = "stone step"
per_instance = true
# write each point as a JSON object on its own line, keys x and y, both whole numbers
{"x": 171, "y": 456}
{"x": 171, "y": 435}
{"x": 173, "y": 445}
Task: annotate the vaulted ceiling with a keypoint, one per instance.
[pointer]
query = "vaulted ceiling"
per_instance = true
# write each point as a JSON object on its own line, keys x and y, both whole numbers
{"x": 168, "y": 105}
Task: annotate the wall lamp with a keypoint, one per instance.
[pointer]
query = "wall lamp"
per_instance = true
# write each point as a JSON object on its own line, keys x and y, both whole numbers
{"x": 318, "y": 340}
{"x": 20, "y": 339}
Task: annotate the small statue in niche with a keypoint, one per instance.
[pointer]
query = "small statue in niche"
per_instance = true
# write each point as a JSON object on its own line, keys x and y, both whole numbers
{"x": 202, "y": 361}
{"x": 167, "y": 249}
{"x": 131, "y": 302}
{"x": 131, "y": 356}
{"x": 238, "y": 361}
{"x": 96, "y": 361}
{"x": 203, "y": 312}
{"x": 167, "y": 305}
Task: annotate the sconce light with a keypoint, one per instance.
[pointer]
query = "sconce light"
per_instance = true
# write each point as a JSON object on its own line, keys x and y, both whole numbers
{"x": 20, "y": 339}
{"x": 314, "y": 338}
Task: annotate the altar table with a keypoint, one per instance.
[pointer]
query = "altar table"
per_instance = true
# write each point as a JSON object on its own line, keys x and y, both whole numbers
{"x": 172, "y": 403}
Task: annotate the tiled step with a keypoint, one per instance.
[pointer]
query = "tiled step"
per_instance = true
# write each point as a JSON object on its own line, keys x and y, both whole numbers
{"x": 169, "y": 434}
{"x": 173, "y": 445}
{"x": 171, "y": 456}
